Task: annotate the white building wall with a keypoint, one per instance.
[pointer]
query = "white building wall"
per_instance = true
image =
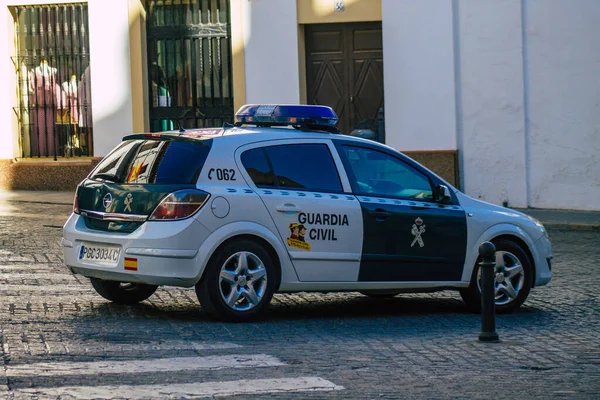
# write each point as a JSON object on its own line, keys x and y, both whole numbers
{"x": 9, "y": 144}
{"x": 563, "y": 93}
{"x": 492, "y": 133}
{"x": 418, "y": 65}
{"x": 271, "y": 51}
{"x": 111, "y": 73}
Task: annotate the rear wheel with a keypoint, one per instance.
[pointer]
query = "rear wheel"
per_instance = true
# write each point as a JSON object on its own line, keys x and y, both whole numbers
{"x": 123, "y": 292}
{"x": 238, "y": 282}
{"x": 513, "y": 276}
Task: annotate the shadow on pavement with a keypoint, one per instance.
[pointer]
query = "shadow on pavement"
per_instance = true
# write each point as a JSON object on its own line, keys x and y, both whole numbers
{"x": 292, "y": 308}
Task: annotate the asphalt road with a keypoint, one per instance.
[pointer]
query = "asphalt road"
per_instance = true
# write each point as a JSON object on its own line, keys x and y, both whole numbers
{"x": 61, "y": 340}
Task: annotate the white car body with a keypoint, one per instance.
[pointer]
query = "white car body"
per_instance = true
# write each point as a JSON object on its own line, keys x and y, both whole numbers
{"x": 177, "y": 252}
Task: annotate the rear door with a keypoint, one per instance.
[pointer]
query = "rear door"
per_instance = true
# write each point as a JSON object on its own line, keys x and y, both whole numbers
{"x": 304, "y": 192}
{"x": 408, "y": 235}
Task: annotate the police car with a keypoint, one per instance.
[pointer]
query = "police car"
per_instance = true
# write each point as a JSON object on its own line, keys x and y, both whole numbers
{"x": 281, "y": 202}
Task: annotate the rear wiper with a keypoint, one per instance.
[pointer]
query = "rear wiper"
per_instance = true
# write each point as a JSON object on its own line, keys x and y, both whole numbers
{"x": 107, "y": 177}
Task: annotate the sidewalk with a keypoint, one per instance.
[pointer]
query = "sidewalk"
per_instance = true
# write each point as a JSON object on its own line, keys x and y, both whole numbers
{"x": 559, "y": 219}
{"x": 33, "y": 196}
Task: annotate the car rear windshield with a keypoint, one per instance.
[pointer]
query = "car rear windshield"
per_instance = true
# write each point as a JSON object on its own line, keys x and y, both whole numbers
{"x": 154, "y": 162}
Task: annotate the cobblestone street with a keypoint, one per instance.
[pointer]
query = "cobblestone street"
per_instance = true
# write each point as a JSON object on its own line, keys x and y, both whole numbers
{"x": 62, "y": 340}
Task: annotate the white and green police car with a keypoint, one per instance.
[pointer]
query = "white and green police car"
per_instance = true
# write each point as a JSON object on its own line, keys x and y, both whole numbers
{"x": 281, "y": 202}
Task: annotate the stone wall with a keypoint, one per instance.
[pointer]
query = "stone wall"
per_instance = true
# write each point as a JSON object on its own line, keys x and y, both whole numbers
{"x": 44, "y": 175}
{"x": 442, "y": 162}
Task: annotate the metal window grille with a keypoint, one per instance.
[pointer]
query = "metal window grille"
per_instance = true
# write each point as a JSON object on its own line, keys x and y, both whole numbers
{"x": 189, "y": 63}
{"x": 53, "y": 76}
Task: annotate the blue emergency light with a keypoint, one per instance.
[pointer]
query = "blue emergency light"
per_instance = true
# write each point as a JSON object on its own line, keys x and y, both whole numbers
{"x": 303, "y": 116}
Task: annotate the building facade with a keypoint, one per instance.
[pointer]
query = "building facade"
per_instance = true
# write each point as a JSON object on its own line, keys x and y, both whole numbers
{"x": 500, "y": 97}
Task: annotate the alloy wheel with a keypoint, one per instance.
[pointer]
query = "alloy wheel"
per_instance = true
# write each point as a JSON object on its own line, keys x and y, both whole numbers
{"x": 509, "y": 277}
{"x": 242, "y": 281}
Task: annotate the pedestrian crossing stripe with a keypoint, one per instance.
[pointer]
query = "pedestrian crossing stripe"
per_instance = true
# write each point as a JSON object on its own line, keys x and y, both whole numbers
{"x": 208, "y": 389}
{"x": 242, "y": 387}
{"x": 138, "y": 366}
{"x": 130, "y": 264}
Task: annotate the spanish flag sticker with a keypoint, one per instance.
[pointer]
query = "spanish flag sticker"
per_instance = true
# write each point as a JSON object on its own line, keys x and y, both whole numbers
{"x": 130, "y": 264}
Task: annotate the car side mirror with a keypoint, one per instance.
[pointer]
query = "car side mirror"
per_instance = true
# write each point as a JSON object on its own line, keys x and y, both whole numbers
{"x": 443, "y": 194}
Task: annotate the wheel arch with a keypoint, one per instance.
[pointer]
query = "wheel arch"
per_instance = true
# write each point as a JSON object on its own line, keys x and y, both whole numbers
{"x": 264, "y": 243}
{"x": 496, "y": 232}
{"x": 252, "y": 231}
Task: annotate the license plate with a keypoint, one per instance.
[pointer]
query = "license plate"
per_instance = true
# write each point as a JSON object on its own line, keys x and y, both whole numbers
{"x": 99, "y": 253}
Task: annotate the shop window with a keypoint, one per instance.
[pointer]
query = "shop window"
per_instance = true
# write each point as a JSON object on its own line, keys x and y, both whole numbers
{"x": 52, "y": 61}
{"x": 189, "y": 63}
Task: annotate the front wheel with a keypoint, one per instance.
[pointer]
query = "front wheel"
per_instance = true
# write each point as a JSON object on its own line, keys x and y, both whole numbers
{"x": 123, "y": 292}
{"x": 238, "y": 282}
{"x": 513, "y": 276}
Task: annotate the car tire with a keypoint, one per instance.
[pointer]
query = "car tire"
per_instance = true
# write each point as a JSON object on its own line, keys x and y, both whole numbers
{"x": 515, "y": 284}
{"x": 380, "y": 294}
{"x": 238, "y": 282}
{"x": 123, "y": 292}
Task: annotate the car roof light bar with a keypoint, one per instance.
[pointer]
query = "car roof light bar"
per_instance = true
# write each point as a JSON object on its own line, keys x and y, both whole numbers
{"x": 306, "y": 117}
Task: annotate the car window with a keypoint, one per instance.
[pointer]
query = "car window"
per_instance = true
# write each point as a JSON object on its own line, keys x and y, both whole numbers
{"x": 304, "y": 166}
{"x": 154, "y": 162}
{"x": 113, "y": 165}
{"x": 378, "y": 173}
{"x": 257, "y": 166}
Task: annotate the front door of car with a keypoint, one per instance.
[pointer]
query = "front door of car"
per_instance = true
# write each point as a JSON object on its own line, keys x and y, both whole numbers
{"x": 408, "y": 235}
{"x": 303, "y": 191}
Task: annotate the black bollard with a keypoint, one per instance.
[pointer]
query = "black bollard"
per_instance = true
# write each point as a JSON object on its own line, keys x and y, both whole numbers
{"x": 487, "y": 252}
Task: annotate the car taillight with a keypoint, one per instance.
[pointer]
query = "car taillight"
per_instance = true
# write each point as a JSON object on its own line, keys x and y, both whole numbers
{"x": 179, "y": 205}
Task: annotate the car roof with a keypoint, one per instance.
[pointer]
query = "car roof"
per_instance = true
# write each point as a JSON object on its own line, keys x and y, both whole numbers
{"x": 250, "y": 134}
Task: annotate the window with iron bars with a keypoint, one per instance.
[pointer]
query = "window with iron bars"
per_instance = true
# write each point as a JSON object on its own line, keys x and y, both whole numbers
{"x": 189, "y": 63}
{"x": 53, "y": 80}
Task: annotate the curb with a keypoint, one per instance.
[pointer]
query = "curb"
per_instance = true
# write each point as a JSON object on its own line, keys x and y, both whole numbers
{"x": 43, "y": 202}
{"x": 571, "y": 226}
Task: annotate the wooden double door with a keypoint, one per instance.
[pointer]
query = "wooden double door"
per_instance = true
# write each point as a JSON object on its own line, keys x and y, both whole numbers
{"x": 344, "y": 70}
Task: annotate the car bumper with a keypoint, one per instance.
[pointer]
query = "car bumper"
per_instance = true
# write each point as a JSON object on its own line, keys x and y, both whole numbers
{"x": 543, "y": 272}
{"x": 164, "y": 253}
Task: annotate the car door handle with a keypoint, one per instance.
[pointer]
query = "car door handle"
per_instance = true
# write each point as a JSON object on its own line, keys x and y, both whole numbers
{"x": 288, "y": 208}
{"x": 380, "y": 213}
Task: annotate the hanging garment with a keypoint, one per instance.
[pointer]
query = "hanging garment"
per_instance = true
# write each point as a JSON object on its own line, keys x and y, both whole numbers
{"x": 45, "y": 94}
{"x": 69, "y": 102}
{"x": 84, "y": 99}
{"x": 24, "y": 110}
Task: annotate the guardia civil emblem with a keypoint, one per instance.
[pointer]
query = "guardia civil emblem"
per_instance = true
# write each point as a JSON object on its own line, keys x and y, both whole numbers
{"x": 128, "y": 201}
{"x": 417, "y": 230}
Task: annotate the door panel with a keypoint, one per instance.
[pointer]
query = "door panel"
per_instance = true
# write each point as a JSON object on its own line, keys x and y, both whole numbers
{"x": 302, "y": 187}
{"x": 367, "y": 96}
{"x": 329, "y": 88}
{"x": 414, "y": 242}
{"x": 366, "y": 85}
{"x": 408, "y": 236}
{"x": 344, "y": 66}
{"x": 326, "y": 248}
